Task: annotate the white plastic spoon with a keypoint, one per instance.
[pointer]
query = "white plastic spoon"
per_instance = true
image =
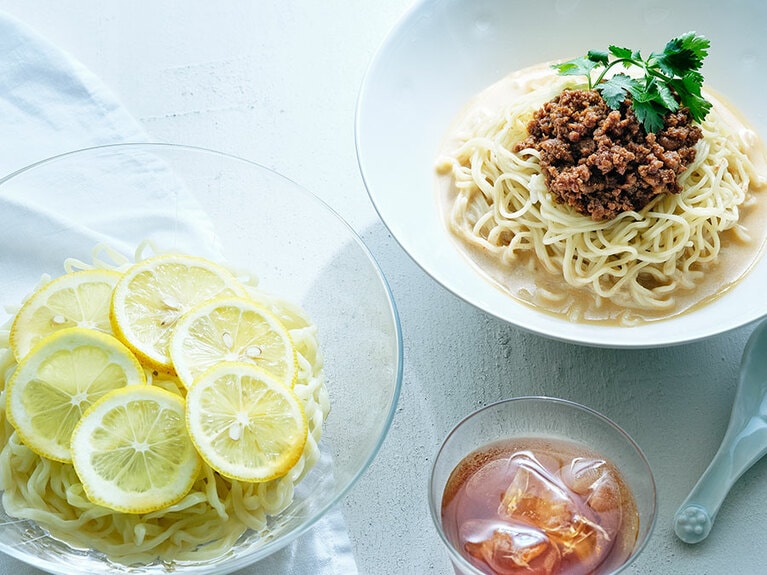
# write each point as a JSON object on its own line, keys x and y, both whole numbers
{"x": 744, "y": 443}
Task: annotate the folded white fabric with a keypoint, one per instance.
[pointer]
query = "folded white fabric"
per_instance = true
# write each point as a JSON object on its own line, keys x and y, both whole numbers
{"x": 50, "y": 104}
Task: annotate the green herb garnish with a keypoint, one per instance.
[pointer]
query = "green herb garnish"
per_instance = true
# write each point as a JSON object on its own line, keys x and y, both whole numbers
{"x": 671, "y": 78}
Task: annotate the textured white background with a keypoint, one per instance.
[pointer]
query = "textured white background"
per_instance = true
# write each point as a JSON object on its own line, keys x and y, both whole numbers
{"x": 276, "y": 82}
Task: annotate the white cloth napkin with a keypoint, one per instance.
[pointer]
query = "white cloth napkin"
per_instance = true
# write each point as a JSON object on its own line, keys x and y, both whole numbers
{"x": 50, "y": 104}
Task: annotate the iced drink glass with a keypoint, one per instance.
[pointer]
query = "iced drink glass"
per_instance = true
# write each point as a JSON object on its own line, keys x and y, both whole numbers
{"x": 541, "y": 486}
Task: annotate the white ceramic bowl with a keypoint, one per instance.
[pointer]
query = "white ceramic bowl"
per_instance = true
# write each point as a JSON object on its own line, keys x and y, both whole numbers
{"x": 206, "y": 202}
{"x": 443, "y": 52}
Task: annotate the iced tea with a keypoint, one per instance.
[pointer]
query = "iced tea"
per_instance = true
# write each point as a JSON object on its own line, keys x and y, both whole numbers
{"x": 539, "y": 507}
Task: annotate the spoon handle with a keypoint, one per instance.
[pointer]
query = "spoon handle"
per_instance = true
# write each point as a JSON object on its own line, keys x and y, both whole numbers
{"x": 739, "y": 451}
{"x": 744, "y": 443}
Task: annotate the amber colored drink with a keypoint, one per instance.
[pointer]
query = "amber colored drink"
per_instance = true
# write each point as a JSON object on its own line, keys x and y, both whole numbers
{"x": 539, "y": 507}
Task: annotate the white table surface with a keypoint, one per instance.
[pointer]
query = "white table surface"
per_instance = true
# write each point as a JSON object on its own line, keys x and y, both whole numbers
{"x": 276, "y": 82}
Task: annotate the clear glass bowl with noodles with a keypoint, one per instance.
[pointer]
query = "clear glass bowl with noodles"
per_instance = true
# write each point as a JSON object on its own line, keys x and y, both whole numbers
{"x": 428, "y": 71}
{"x": 96, "y": 206}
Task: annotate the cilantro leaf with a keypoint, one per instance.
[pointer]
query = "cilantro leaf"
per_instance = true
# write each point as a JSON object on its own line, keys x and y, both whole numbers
{"x": 615, "y": 90}
{"x": 619, "y": 52}
{"x": 649, "y": 114}
{"x": 665, "y": 95}
{"x": 682, "y": 54}
{"x": 689, "y": 93}
{"x": 693, "y": 81}
{"x": 576, "y": 67}
{"x": 598, "y": 56}
{"x": 671, "y": 78}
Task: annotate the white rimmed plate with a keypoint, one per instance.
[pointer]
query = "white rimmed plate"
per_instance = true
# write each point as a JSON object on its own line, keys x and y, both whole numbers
{"x": 443, "y": 52}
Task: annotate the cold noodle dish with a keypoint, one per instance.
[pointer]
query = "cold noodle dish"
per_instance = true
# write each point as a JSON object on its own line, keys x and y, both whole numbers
{"x": 611, "y": 188}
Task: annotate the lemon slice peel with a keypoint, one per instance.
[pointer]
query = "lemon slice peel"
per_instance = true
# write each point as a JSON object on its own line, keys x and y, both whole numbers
{"x": 76, "y": 299}
{"x": 245, "y": 424}
{"x": 59, "y": 379}
{"x": 132, "y": 453}
{"x": 153, "y": 293}
{"x": 232, "y": 329}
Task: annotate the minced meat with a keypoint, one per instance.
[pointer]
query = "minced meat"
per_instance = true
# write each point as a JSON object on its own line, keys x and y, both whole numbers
{"x": 601, "y": 161}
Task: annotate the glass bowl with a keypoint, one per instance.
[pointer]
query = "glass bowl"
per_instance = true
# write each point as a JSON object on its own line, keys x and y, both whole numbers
{"x": 215, "y": 205}
{"x": 541, "y": 424}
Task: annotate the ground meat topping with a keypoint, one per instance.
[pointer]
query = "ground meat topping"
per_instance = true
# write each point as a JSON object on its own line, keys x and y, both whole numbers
{"x": 601, "y": 161}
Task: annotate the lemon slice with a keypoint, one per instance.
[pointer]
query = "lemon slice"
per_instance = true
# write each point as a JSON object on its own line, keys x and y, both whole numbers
{"x": 154, "y": 293}
{"x": 245, "y": 423}
{"x": 132, "y": 452}
{"x": 77, "y": 299}
{"x": 231, "y": 329}
{"x": 59, "y": 379}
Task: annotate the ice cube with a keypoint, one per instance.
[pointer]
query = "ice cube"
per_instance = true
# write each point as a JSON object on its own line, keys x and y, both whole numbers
{"x": 510, "y": 548}
{"x": 597, "y": 481}
{"x": 539, "y": 497}
{"x": 582, "y": 473}
{"x": 536, "y": 495}
{"x": 605, "y": 495}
